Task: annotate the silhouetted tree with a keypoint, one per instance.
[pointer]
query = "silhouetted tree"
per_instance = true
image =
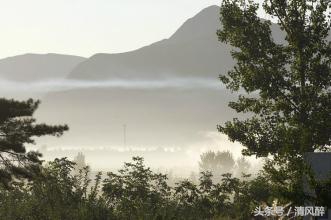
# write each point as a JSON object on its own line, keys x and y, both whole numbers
{"x": 18, "y": 128}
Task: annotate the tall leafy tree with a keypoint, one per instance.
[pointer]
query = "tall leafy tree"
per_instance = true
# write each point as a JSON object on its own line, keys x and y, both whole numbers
{"x": 17, "y": 129}
{"x": 287, "y": 85}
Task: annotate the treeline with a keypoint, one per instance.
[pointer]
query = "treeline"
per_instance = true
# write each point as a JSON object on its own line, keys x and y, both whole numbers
{"x": 133, "y": 192}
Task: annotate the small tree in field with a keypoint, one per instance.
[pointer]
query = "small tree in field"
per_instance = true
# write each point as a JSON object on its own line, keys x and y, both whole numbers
{"x": 289, "y": 84}
{"x": 18, "y": 128}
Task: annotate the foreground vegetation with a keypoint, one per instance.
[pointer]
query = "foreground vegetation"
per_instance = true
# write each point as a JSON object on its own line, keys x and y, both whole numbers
{"x": 134, "y": 192}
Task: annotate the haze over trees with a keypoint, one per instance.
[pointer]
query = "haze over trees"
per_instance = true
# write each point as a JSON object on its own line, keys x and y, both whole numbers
{"x": 217, "y": 163}
{"x": 79, "y": 161}
{"x": 242, "y": 166}
{"x": 222, "y": 162}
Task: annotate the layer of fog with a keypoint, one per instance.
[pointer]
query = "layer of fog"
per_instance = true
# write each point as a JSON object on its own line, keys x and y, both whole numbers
{"x": 67, "y": 84}
{"x": 180, "y": 161}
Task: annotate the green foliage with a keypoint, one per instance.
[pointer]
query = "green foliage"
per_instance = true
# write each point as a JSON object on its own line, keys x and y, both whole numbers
{"x": 55, "y": 194}
{"x": 134, "y": 192}
{"x": 18, "y": 128}
{"x": 287, "y": 86}
{"x": 137, "y": 193}
{"x": 204, "y": 201}
{"x": 292, "y": 110}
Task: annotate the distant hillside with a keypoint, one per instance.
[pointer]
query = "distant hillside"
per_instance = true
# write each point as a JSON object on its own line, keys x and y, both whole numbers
{"x": 32, "y": 67}
{"x": 192, "y": 51}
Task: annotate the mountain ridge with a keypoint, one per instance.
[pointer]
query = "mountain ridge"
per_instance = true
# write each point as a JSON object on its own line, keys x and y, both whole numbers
{"x": 34, "y": 67}
{"x": 193, "y": 50}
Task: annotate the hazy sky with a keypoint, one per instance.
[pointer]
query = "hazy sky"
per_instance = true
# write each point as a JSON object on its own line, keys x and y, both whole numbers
{"x": 85, "y": 27}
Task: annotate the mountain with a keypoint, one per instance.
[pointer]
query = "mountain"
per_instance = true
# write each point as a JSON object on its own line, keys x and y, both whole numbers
{"x": 34, "y": 67}
{"x": 193, "y": 50}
